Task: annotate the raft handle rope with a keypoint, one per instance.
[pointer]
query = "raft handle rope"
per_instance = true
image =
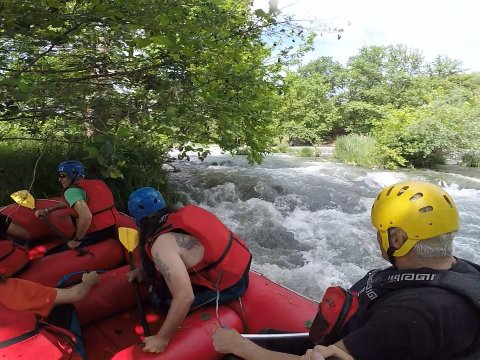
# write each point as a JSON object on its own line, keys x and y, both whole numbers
{"x": 244, "y": 315}
{"x": 216, "y": 309}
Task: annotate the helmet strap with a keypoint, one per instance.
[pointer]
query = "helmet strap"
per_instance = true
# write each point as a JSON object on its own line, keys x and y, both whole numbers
{"x": 390, "y": 252}
{"x": 390, "y": 249}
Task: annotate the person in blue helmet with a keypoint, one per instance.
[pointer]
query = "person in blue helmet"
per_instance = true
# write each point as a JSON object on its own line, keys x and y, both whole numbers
{"x": 92, "y": 202}
{"x": 191, "y": 258}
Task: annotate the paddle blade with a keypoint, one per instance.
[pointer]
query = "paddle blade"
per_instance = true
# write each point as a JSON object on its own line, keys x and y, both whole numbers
{"x": 24, "y": 198}
{"x": 128, "y": 237}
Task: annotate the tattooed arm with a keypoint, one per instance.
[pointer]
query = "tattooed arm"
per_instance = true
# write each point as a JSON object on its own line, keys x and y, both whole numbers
{"x": 166, "y": 253}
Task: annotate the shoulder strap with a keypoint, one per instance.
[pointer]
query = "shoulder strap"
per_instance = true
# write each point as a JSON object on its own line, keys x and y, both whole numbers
{"x": 467, "y": 285}
{"x": 463, "y": 284}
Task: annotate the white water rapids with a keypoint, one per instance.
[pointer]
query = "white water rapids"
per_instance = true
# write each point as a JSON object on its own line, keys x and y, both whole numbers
{"x": 307, "y": 222}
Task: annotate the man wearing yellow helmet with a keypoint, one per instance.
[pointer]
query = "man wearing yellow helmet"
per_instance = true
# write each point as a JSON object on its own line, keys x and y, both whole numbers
{"x": 425, "y": 306}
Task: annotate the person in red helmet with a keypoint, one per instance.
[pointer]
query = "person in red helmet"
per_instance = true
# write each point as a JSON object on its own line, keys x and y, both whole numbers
{"x": 197, "y": 258}
{"x": 425, "y": 306}
{"x": 92, "y": 202}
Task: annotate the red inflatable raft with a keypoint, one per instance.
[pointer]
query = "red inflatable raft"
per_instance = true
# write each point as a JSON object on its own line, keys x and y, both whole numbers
{"x": 111, "y": 328}
{"x": 48, "y": 233}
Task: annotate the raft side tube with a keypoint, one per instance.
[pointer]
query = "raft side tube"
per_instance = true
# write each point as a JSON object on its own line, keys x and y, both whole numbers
{"x": 193, "y": 340}
{"x": 38, "y": 228}
{"x": 269, "y": 305}
{"x": 48, "y": 270}
{"x": 114, "y": 294}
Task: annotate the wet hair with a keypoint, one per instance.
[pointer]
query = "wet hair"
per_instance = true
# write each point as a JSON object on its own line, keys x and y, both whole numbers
{"x": 147, "y": 230}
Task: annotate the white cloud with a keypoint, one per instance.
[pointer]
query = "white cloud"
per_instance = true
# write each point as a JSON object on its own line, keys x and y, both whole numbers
{"x": 436, "y": 27}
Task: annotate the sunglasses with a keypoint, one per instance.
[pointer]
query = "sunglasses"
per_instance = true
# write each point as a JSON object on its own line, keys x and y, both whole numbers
{"x": 62, "y": 176}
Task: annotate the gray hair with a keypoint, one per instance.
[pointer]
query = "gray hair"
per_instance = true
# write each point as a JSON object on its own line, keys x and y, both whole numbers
{"x": 437, "y": 247}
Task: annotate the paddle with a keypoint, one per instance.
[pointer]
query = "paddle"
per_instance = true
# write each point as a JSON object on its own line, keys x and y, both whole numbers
{"x": 129, "y": 239}
{"x": 24, "y": 198}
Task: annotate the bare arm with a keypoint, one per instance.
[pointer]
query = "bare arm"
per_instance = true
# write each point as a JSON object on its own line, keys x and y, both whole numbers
{"x": 79, "y": 291}
{"x": 84, "y": 218}
{"x": 18, "y": 231}
{"x": 167, "y": 258}
{"x": 46, "y": 211}
{"x": 229, "y": 341}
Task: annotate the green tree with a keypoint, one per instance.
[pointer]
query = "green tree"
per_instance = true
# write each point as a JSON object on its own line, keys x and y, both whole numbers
{"x": 379, "y": 78}
{"x": 156, "y": 71}
{"x": 307, "y": 110}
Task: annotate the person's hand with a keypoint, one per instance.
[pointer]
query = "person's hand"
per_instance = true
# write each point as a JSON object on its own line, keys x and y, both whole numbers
{"x": 155, "y": 344}
{"x": 41, "y": 213}
{"x": 226, "y": 341}
{"x": 317, "y": 353}
{"x": 320, "y": 352}
{"x": 72, "y": 244}
{"x": 312, "y": 355}
{"x": 135, "y": 275}
{"x": 91, "y": 278}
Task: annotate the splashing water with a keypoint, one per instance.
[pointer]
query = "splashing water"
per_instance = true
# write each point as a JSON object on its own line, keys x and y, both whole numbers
{"x": 308, "y": 222}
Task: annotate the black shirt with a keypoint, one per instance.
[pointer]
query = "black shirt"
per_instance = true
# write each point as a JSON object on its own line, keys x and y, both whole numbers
{"x": 423, "y": 323}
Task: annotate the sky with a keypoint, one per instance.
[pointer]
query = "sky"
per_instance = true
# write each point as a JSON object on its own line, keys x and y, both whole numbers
{"x": 436, "y": 27}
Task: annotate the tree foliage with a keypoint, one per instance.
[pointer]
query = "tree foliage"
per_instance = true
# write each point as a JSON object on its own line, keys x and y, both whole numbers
{"x": 164, "y": 72}
{"x": 307, "y": 111}
{"x": 416, "y": 111}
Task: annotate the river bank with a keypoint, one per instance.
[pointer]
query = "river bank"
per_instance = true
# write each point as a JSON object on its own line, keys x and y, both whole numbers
{"x": 452, "y": 165}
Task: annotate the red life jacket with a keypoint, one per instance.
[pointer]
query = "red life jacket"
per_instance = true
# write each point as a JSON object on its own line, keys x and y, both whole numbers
{"x": 226, "y": 256}
{"x": 21, "y": 335}
{"x": 100, "y": 202}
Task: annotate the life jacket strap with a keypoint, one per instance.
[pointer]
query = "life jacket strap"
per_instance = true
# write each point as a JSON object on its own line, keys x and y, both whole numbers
{"x": 221, "y": 257}
{"x": 102, "y": 210}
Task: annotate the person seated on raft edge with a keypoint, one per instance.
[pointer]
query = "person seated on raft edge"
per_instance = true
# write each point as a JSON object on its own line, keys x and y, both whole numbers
{"x": 415, "y": 222}
{"x": 176, "y": 245}
{"x": 9, "y": 228}
{"x": 48, "y": 303}
{"x": 92, "y": 201}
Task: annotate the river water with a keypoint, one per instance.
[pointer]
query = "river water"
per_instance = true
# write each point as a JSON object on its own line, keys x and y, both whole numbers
{"x": 307, "y": 221}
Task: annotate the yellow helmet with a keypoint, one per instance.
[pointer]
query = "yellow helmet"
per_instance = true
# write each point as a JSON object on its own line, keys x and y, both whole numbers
{"x": 421, "y": 209}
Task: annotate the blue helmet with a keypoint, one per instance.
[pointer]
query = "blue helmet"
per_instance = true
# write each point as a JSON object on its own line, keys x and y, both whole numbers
{"x": 144, "y": 202}
{"x": 73, "y": 168}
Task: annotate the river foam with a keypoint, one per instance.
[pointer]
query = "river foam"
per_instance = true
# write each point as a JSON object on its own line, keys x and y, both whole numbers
{"x": 308, "y": 222}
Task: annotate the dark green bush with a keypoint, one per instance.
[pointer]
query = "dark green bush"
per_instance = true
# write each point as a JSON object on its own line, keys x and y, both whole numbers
{"x": 123, "y": 165}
